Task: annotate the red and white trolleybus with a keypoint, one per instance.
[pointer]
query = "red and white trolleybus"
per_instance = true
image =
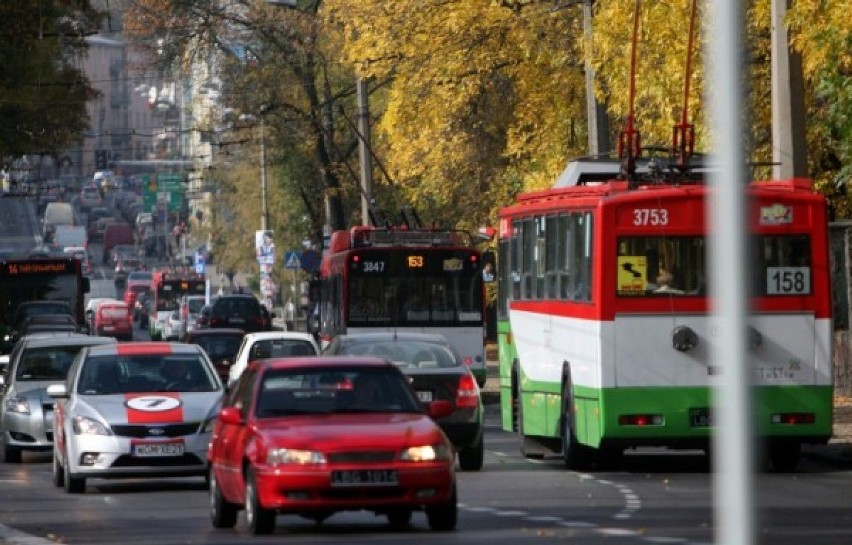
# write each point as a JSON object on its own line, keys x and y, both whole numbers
{"x": 607, "y": 335}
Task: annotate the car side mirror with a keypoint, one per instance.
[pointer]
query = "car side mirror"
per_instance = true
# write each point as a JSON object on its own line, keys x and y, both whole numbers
{"x": 231, "y": 415}
{"x": 57, "y": 391}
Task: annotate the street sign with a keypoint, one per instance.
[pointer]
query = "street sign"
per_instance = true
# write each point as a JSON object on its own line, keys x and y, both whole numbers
{"x": 311, "y": 260}
{"x": 199, "y": 262}
{"x": 162, "y": 188}
{"x": 291, "y": 260}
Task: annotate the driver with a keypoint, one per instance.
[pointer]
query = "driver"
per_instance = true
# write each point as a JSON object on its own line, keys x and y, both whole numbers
{"x": 177, "y": 375}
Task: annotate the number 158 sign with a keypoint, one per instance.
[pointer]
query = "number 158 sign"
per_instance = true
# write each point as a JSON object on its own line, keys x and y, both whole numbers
{"x": 788, "y": 280}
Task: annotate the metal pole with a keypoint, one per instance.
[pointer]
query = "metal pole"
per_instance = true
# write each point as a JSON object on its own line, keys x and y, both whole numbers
{"x": 265, "y": 220}
{"x": 364, "y": 154}
{"x": 733, "y": 440}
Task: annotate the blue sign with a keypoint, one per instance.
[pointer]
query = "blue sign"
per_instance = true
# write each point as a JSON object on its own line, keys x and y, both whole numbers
{"x": 292, "y": 260}
{"x": 311, "y": 260}
{"x": 199, "y": 262}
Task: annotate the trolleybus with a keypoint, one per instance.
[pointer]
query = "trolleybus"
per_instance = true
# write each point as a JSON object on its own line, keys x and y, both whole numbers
{"x": 606, "y": 334}
{"x": 40, "y": 279}
{"x": 167, "y": 287}
{"x": 401, "y": 279}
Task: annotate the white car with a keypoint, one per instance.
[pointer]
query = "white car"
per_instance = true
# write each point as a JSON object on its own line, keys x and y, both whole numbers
{"x": 173, "y": 327}
{"x": 271, "y": 344}
{"x": 136, "y": 409}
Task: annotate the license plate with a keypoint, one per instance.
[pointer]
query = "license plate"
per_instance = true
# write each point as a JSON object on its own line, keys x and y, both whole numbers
{"x": 108, "y": 328}
{"x": 700, "y": 418}
{"x": 236, "y": 321}
{"x": 425, "y": 396}
{"x": 149, "y": 450}
{"x": 365, "y": 477}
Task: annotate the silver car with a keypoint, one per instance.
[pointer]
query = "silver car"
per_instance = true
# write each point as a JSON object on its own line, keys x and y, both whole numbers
{"x": 26, "y": 411}
{"x": 137, "y": 409}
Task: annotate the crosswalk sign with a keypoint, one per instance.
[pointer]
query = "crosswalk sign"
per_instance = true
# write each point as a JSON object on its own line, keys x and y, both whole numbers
{"x": 291, "y": 260}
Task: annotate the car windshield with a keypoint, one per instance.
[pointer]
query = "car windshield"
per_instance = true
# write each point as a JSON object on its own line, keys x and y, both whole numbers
{"x": 120, "y": 374}
{"x": 404, "y": 353}
{"x": 194, "y": 304}
{"x": 337, "y": 390}
{"x": 48, "y": 363}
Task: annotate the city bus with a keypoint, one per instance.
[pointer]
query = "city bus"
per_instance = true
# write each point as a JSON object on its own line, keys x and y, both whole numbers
{"x": 40, "y": 279}
{"x": 605, "y": 334}
{"x": 167, "y": 288}
{"x": 401, "y": 279}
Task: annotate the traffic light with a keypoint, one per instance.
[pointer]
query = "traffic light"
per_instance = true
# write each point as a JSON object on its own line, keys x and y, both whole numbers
{"x": 101, "y": 159}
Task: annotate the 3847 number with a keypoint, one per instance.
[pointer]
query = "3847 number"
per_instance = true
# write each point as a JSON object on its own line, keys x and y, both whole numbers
{"x": 650, "y": 216}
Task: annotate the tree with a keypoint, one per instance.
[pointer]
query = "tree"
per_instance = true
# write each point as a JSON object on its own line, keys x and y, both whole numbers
{"x": 480, "y": 100}
{"x": 43, "y": 93}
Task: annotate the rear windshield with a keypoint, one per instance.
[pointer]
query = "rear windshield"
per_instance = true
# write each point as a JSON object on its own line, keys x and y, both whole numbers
{"x": 219, "y": 346}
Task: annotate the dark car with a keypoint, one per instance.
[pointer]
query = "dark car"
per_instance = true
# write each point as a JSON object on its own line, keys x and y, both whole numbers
{"x": 239, "y": 311}
{"x": 48, "y": 322}
{"x": 436, "y": 372}
{"x": 32, "y": 308}
{"x": 221, "y": 346}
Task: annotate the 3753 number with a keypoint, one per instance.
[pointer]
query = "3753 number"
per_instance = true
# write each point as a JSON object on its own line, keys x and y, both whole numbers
{"x": 650, "y": 216}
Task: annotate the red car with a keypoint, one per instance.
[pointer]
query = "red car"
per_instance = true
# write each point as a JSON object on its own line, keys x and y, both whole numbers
{"x": 314, "y": 436}
{"x": 113, "y": 319}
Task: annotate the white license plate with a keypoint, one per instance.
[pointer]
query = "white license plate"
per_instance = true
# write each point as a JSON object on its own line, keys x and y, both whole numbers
{"x": 425, "y": 396}
{"x": 146, "y": 450}
{"x": 236, "y": 321}
{"x": 108, "y": 328}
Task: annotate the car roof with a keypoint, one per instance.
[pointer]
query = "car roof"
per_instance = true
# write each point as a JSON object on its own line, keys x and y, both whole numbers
{"x": 394, "y": 335}
{"x": 64, "y": 338}
{"x": 215, "y": 332}
{"x": 141, "y": 348}
{"x": 322, "y": 362}
{"x": 274, "y": 335}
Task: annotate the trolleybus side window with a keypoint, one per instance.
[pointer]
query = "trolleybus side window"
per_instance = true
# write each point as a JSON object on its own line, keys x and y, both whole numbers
{"x": 515, "y": 252}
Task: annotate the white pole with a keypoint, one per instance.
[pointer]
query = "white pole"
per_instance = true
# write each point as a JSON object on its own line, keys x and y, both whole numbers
{"x": 732, "y": 446}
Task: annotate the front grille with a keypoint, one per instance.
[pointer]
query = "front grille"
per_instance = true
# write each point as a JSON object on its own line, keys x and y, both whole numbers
{"x": 361, "y": 457}
{"x": 127, "y": 460}
{"x": 153, "y": 430}
{"x": 367, "y": 493}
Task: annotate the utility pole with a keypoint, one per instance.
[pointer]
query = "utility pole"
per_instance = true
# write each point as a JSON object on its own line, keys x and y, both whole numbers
{"x": 789, "y": 153}
{"x": 364, "y": 153}
{"x": 263, "y": 184}
{"x": 596, "y": 117}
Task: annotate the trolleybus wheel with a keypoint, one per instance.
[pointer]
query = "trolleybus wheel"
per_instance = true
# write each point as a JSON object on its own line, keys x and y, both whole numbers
{"x": 574, "y": 454}
{"x": 785, "y": 457}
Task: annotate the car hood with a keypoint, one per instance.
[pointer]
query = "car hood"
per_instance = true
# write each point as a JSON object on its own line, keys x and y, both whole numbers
{"x": 153, "y": 408}
{"x": 354, "y": 431}
{"x": 34, "y": 390}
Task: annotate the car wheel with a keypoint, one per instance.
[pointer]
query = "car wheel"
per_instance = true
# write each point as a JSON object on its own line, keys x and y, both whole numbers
{"x": 223, "y": 514}
{"x": 399, "y": 518}
{"x": 58, "y": 472}
{"x": 258, "y": 519}
{"x": 444, "y": 516}
{"x": 11, "y": 455}
{"x": 72, "y": 483}
{"x": 471, "y": 458}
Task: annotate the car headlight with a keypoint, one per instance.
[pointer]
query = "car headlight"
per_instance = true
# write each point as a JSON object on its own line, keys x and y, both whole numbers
{"x": 426, "y": 453}
{"x": 18, "y": 404}
{"x": 279, "y": 456}
{"x": 84, "y": 425}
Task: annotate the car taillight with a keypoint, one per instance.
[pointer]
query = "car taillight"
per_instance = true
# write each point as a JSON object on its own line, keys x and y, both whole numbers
{"x": 184, "y": 312}
{"x": 214, "y": 321}
{"x": 467, "y": 394}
